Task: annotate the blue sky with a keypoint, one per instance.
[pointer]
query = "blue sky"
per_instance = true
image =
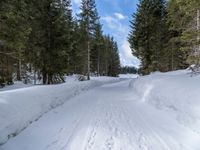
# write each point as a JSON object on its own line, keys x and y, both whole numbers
{"x": 115, "y": 17}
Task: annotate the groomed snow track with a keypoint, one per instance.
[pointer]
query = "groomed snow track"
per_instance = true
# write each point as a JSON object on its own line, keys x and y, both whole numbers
{"x": 110, "y": 117}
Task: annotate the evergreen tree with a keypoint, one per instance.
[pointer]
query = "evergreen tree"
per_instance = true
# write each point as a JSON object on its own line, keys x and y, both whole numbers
{"x": 13, "y": 37}
{"x": 88, "y": 21}
{"x": 74, "y": 55}
{"x": 187, "y": 27}
{"x": 43, "y": 38}
{"x": 147, "y": 36}
{"x": 96, "y": 51}
{"x": 111, "y": 62}
{"x": 176, "y": 24}
{"x": 50, "y": 40}
{"x": 115, "y": 61}
{"x": 127, "y": 69}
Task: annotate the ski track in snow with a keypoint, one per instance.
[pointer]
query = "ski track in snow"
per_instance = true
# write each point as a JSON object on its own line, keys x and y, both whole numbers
{"x": 106, "y": 118}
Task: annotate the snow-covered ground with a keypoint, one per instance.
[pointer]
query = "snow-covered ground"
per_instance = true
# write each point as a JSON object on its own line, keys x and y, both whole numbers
{"x": 175, "y": 92}
{"x": 20, "y": 104}
{"x": 133, "y": 76}
{"x": 16, "y": 85}
{"x": 156, "y": 112}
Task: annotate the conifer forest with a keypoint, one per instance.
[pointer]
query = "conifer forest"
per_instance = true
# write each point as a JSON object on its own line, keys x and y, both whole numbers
{"x": 165, "y": 34}
{"x": 43, "y": 39}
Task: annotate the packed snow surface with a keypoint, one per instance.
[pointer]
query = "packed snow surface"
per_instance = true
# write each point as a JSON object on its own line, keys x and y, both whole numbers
{"x": 156, "y": 112}
{"x": 20, "y": 106}
{"x": 16, "y": 85}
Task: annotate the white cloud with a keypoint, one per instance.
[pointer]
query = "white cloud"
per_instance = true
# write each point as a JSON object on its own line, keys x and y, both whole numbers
{"x": 109, "y": 19}
{"x": 126, "y": 57}
{"x": 120, "y": 16}
{"x": 127, "y": 50}
{"x": 78, "y": 2}
{"x": 114, "y": 21}
{"x": 120, "y": 31}
{"x": 115, "y": 24}
{"x": 76, "y": 6}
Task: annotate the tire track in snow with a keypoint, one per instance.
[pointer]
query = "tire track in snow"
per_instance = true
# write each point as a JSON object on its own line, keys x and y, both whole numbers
{"x": 93, "y": 125}
{"x": 110, "y": 142}
{"x": 131, "y": 133}
{"x": 108, "y": 119}
{"x": 115, "y": 124}
{"x": 79, "y": 120}
{"x": 141, "y": 125}
{"x": 92, "y": 134}
{"x": 70, "y": 138}
{"x": 136, "y": 133}
{"x": 59, "y": 140}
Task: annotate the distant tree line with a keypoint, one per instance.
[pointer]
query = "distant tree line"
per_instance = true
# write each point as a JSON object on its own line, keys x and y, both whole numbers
{"x": 128, "y": 69}
{"x": 165, "y": 34}
{"x": 43, "y": 38}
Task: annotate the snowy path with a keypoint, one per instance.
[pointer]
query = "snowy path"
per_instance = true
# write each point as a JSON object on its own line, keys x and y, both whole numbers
{"x": 110, "y": 117}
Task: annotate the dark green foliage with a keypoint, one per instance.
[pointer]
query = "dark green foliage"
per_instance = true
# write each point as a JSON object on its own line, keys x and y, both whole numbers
{"x": 50, "y": 38}
{"x": 43, "y": 38}
{"x": 114, "y": 63}
{"x": 164, "y": 34}
{"x": 14, "y": 31}
{"x": 127, "y": 69}
{"x": 148, "y": 35}
{"x": 88, "y": 20}
{"x": 185, "y": 21}
{"x": 96, "y": 51}
{"x": 96, "y": 48}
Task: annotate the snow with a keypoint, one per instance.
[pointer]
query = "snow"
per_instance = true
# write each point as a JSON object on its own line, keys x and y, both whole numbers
{"x": 16, "y": 85}
{"x": 124, "y": 76}
{"x": 174, "y": 91}
{"x": 20, "y": 105}
{"x": 160, "y": 111}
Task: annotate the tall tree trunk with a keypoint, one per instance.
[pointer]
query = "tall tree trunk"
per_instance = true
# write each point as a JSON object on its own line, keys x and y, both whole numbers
{"x": 48, "y": 46}
{"x": 35, "y": 76}
{"x": 198, "y": 37}
{"x": 44, "y": 75}
{"x": 98, "y": 63}
{"x": 19, "y": 70}
{"x": 88, "y": 56}
{"x": 50, "y": 79}
{"x": 172, "y": 56}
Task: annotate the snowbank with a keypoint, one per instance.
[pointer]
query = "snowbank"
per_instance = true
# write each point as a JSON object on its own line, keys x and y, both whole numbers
{"x": 20, "y": 107}
{"x": 176, "y": 92}
{"x": 16, "y": 85}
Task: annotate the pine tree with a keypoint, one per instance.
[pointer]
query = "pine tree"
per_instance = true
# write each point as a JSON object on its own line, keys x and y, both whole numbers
{"x": 88, "y": 20}
{"x": 111, "y": 61}
{"x": 147, "y": 34}
{"x": 96, "y": 51}
{"x": 176, "y": 24}
{"x": 50, "y": 40}
{"x": 128, "y": 69}
{"x": 13, "y": 37}
{"x": 185, "y": 22}
{"x": 115, "y": 61}
{"x": 43, "y": 38}
{"x": 74, "y": 60}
